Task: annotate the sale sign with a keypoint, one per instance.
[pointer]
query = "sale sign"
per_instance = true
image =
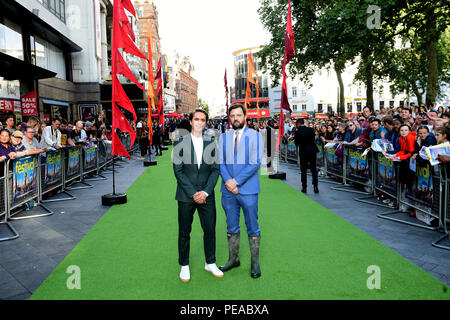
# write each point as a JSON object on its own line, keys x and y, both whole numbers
{"x": 6, "y": 105}
{"x": 29, "y": 104}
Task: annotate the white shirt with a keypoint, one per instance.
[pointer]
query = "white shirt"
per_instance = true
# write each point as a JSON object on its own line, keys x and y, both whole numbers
{"x": 198, "y": 147}
{"x": 50, "y": 137}
{"x": 237, "y": 132}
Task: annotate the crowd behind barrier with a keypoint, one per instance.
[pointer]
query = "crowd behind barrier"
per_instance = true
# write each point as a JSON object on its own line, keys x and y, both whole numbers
{"x": 27, "y": 181}
{"x": 378, "y": 175}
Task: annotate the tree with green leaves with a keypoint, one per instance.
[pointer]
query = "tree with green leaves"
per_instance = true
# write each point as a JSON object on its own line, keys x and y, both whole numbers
{"x": 203, "y": 105}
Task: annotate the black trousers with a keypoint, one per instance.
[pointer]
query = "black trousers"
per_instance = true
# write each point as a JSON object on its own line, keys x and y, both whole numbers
{"x": 207, "y": 215}
{"x": 143, "y": 145}
{"x": 305, "y": 163}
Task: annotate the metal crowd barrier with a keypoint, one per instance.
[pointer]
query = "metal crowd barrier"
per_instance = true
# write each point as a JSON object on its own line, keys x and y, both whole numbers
{"x": 4, "y": 204}
{"x": 444, "y": 220}
{"x": 420, "y": 195}
{"x": 357, "y": 170}
{"x": 53, "y": 167}
{"x": 332, "y": 166}
{"x": 24, "y": 185}
{"x": 385, "y": 180}
{"x": 429, "y": 195}
{"x": 92, "y": 163}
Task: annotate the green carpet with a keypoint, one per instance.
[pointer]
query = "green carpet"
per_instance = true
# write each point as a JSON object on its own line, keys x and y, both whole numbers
{"x": 307, "y": 252}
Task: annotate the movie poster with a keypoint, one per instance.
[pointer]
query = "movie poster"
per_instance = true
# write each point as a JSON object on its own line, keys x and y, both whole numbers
{"x": 385, "y": 178}
{"x": 90, "y": 160}
{"x": 333, "y": 163}
{"x": 128, "y": 142}
{"x": 421, "y": 191}
{"x": 319, "y": 159}
{"x": 73, "y": 162}
{"x": 291, "y": 151}
{"x": 24, "y": 177}
{"x": 357, "y": 165}
{"x": 108, "y": 149}
{"x": 53, "y": 167}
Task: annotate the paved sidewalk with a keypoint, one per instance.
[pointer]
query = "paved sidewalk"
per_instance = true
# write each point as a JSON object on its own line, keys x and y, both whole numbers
{"x": 45, "y": 241}
{"x": 411, "y": 242}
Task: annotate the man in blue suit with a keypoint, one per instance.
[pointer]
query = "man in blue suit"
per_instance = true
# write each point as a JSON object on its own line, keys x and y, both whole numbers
{"x": 240, "y": 154}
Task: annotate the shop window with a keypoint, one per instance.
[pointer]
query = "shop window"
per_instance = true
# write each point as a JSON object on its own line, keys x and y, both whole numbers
{"x": 11, "y": 39}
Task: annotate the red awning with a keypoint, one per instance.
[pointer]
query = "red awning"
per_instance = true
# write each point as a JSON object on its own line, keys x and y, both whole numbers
{"x": 173, "y": 115}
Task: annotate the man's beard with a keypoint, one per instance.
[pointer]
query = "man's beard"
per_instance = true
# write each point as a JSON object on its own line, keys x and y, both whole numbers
{"x": 240, "y": 126}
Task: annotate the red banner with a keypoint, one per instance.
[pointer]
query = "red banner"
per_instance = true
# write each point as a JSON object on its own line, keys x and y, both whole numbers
{"x": 29, "y": 104}
{"x": 253, "y": 113}
{"x": 6, "y": 105}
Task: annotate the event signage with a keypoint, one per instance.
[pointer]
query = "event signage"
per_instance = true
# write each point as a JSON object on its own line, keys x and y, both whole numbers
{"x": 74, "y": 162}
{"x": 90, "y": 160}
{"x": 333, "y": 162}
{"x": 385, "y": 177}
{"x": 29, "y": 104}
{"x": 421, "y": 190}
{"x": 358, "y": 164}
{"x": 53, "y": 167}
{"x": 24, "y": 176}
{"x": 319, "y": 159}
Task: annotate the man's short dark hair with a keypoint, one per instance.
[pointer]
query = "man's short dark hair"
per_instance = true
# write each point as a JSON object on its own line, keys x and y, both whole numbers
{"x": 408, "y": 109}
{"x": 375, "y": 120}
{"x": 235, "y": 106}
{"x": 423, "y": 127}
{"x": 301, "y": 121}
{"x": 56, "y": 119}
{"x": 28, "y": 127}
{"x": 191, "y": 115}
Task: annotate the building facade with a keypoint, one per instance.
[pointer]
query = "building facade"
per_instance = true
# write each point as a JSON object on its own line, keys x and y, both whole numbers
{"x": 182, "y": 75}
{"x": 57, "y": 50}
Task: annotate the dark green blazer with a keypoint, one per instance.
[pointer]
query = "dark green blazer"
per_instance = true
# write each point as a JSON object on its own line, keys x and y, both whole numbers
{"x": 191, "y": 179}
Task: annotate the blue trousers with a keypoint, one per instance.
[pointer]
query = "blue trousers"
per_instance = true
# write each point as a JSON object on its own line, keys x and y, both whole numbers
{"x": 232, "y": 204}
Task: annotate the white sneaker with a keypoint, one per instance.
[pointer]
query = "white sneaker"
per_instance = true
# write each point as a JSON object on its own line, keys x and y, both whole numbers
{"x": 185, "y": 274}
{"x": 214, "y": 270}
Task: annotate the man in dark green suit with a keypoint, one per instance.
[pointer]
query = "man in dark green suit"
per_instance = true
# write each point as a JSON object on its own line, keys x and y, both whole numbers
{"x": 196, "y": 169}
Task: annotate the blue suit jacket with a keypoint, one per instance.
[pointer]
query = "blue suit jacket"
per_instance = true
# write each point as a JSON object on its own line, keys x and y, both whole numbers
{"x": 243, "y": 165}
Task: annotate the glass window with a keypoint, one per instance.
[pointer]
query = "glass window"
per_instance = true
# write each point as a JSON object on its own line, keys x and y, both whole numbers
{"x": 320, "y": 107}
{"x": 391, "y": 103}
{"x": 11, "y": 39}
{"x": 381, "y": 104}
{"x": 303, "y": 107}
{"x": 330, "y": 108}
{"x": 57, "y": 7}
{"x": 349, "y": 107}
{"x": 294, "y": 91}
{"x": 294, "y": 107}
{"x": 358, "y": 107}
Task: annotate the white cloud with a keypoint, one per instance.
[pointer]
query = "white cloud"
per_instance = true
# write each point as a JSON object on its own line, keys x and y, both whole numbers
{"x": 209, "y": 31}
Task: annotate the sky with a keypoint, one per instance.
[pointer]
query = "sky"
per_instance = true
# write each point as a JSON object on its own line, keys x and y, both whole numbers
{"x": 209, "y": 31}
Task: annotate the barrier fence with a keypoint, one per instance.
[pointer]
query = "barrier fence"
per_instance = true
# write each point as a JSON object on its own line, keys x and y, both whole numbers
{"x": 26, "y": 182}
{"x": 377, "y": 176}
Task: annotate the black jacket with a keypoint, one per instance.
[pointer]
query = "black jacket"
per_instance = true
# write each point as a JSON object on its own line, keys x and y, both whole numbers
{"x": 190, "y": 178}
{"x": 305, "y": 140}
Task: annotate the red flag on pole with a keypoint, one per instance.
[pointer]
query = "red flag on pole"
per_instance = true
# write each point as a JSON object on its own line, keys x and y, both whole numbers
{"x": 226, "y": 98}
{"x": 121, "y": 39}
{"x": 289, "y": 52}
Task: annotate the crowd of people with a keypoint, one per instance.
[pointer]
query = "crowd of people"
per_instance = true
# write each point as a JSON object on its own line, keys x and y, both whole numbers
{"x": 35, "y": 136}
